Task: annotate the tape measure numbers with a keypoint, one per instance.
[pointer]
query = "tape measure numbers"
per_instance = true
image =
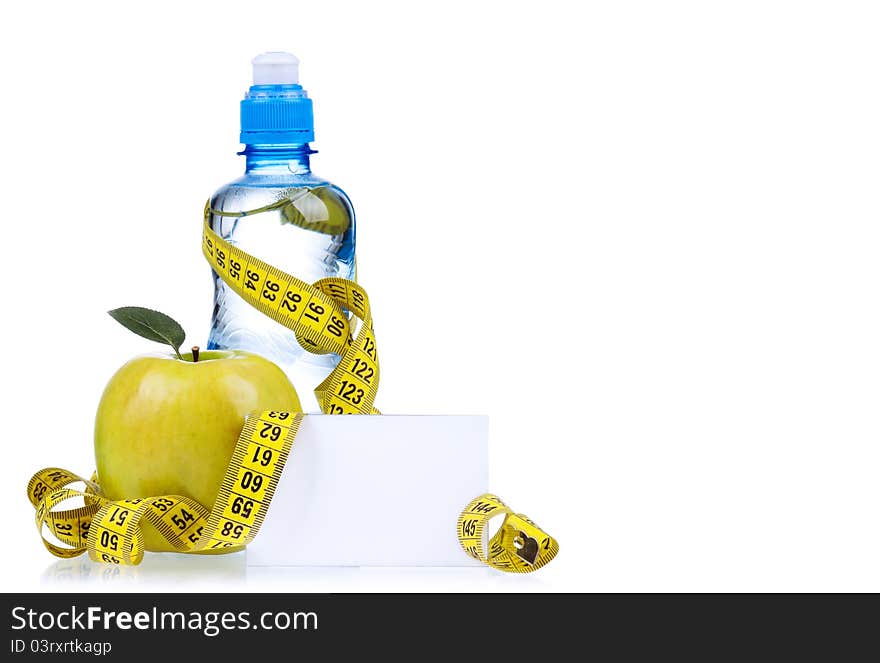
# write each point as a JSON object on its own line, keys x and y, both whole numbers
{"x": 110, "y": 530}
{"x": 519, "y": 545}
{"x": 317, "y": 314}
{"x": 314, "y": 313}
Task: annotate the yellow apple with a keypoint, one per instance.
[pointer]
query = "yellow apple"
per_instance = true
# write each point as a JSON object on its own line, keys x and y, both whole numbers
{"x": 168, "y": 425}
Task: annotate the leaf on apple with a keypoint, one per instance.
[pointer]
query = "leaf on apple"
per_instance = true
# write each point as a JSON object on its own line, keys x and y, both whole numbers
{"x": 151, "y": 324}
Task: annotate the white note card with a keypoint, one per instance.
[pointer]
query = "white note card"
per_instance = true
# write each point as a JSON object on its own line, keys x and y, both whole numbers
{"x": 381, "y": 490}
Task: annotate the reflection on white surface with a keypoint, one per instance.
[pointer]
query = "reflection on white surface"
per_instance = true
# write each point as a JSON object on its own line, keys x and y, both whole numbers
{"x": 167, "y": 568}
{"x": 189, "y": 573}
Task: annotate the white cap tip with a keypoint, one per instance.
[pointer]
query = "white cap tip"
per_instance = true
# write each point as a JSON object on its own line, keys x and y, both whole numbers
{"x": 276, "y": 68}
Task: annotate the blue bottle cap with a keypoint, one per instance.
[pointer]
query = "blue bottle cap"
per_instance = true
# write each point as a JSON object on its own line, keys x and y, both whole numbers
{"x": 276, "y": 109}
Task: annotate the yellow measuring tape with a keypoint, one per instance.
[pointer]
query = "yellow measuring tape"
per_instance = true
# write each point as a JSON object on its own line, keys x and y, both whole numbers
{"x": 316, "y": 313}
{"x": 519, "y": 545}
{"x": 110, "y": 530}
{"x": 318, "y": 208}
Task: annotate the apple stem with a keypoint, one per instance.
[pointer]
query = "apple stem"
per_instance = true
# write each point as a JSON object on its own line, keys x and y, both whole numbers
{"x": 195, "y": 351}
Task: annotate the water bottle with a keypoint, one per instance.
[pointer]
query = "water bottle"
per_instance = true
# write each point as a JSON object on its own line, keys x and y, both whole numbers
{"x": 311, "y": 238}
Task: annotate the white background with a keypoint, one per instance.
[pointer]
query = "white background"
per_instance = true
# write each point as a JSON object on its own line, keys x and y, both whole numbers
{"x": 641, "y": 236}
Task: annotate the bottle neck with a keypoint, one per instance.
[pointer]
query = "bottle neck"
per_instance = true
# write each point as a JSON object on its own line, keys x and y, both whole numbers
{"x": 271, "y": 159}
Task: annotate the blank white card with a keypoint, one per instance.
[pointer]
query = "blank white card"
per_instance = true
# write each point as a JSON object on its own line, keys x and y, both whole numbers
{"x": 382, "y": 490}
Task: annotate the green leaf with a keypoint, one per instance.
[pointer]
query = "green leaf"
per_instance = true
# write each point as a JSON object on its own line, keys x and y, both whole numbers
{"x": 151, "y": 324}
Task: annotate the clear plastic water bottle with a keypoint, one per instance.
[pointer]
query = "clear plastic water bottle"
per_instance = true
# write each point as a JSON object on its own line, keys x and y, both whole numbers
{"x": 311, "y": 238}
